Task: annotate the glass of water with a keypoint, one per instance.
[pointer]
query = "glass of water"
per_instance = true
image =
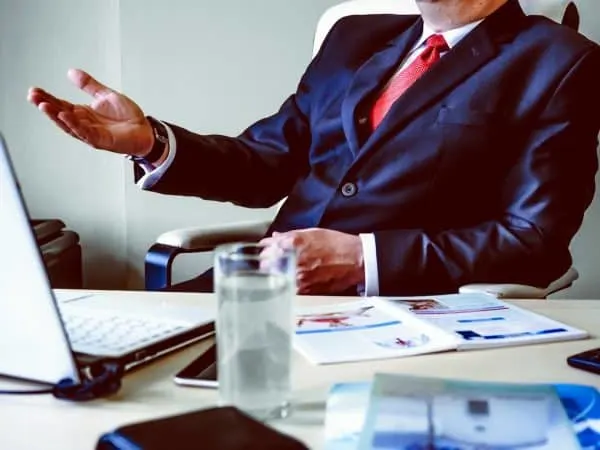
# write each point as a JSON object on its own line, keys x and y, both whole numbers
{"x": 255, "y": 287}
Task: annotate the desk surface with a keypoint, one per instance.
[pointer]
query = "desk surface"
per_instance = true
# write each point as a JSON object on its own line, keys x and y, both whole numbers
{"x": 34, "y": 421}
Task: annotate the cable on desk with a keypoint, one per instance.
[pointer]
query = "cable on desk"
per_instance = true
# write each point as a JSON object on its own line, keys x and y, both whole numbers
{"x": 106, "y": 382}
{"x": 30, "y": 392}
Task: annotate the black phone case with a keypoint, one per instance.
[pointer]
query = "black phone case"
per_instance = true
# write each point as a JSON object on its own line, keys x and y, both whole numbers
{"x": 588, "y": 360}
{"x": 224, "y": 428}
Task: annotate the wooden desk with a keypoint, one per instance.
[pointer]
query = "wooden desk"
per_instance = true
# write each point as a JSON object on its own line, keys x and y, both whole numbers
{"x": 44, "y": 422}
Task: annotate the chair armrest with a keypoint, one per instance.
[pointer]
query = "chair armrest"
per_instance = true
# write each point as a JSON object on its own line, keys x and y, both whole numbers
{"x": 160, "y": 257}
{"x": 198, "y": 239}
{"x": 507, "y": 290}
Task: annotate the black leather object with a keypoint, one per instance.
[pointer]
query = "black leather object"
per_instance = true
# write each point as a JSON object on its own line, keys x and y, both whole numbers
{"x": 224, "y": 428}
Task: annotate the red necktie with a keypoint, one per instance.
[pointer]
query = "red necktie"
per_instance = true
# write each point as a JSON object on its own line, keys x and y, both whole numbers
{"x": 435, "y": 45}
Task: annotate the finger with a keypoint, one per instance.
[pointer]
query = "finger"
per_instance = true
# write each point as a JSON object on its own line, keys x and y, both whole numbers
{"x": 87, "y": 83}
{"x": 288, "y": 243}
{"x": 266, "y": 241}
{"x": 320, "y": 281}
{"x": 93, "y": 135}
{"x": 305, "y": 276}
{"x": 63, "y": 127}
{"x": 288, "y": 240}
{"x": 52, "y": 113}
{"x": 305, "y": 282}
{"x": 307, "y": 260}
{"x": 49, "y": 109}
{"x": 84, "y": 114}
{"x": 38, "y": 96}
{"x": 282, "y": 240}
{"x": 301, "y": 290}
{"x": 314, "y": 290}
{"x": 80, "y": 114}
{"x": 275, "y": 236}
{"x": 73, "y": 128}
{"x": 310, "y": 289}
{"x": 325, "y": 288}
{"x": 52, "y": 110}
{"x": 81, "y": 129}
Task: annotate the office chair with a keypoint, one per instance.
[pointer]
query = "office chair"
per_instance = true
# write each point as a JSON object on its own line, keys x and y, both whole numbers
{"x": 61, "y": 252}
{"x": 159, "y": 259}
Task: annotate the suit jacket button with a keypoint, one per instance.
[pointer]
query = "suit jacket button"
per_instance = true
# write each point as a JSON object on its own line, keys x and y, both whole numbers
{"x": 362, "y": 120}
{"x": 349, "y": 189}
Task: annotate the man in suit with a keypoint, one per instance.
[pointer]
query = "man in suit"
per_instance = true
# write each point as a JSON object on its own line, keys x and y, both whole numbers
{"x": 417, "y": 154}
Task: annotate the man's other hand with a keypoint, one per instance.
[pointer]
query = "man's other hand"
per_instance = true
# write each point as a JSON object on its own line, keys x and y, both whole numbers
{"x": 329, "y": 262}
{"x": 111, "y": 122}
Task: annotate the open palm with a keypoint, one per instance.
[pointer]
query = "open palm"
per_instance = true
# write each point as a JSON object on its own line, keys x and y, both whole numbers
{"x": 111, "y": 122}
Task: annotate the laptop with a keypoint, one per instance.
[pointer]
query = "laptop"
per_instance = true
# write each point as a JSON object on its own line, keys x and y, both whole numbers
{"x": 46, "y": 338}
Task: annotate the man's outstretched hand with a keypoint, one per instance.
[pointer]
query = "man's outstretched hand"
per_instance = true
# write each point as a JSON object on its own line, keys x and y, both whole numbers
{"x": 329, "y": 262}
{"x": 111, "y": 121}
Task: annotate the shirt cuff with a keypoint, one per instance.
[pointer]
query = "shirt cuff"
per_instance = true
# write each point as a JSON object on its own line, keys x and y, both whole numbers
{"x": 371, "y": 287}
{"x": 153, "y": 174}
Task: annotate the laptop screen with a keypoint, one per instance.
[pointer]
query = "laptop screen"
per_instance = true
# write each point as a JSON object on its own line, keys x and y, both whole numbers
{"x": 33, "y": 345}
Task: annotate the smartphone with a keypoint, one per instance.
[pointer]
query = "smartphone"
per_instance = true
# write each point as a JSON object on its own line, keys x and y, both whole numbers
{"x": 201, "y": 372}
{"x": 588, "y": 360}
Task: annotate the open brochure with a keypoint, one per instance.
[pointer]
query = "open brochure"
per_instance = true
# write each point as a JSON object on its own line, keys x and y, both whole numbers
{"x": 378, "y": 327}
{"x": 347, "y": 405}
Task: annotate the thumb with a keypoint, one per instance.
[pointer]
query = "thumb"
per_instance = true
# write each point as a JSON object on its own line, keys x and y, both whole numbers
{"x": 87, "y": 83}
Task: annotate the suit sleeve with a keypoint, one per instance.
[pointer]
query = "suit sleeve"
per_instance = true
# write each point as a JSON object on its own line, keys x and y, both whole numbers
{"x": 255, "y": 169}
{"x": 544, "y": 200}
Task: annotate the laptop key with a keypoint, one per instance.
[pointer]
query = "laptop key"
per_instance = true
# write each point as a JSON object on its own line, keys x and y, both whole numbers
{"x": 107, "y": 334}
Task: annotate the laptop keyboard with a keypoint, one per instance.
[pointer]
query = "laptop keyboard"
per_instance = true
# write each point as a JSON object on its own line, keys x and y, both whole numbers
{"x": 110, "y": 334}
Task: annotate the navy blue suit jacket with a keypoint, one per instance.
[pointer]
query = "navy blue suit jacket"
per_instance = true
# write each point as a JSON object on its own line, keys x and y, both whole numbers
{"x": 481, "y": 171}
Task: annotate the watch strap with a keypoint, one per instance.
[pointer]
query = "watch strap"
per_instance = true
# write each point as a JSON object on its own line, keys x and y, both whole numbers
{"x": 161, "y": 139}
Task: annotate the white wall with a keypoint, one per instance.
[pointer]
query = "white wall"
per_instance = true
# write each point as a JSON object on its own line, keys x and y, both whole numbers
{"x": 39, "y": 41}
{"x": 211, "y": 66}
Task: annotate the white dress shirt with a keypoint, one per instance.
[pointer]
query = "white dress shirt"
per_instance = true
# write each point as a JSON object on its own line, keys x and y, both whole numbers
{"x": 371, "y": 287}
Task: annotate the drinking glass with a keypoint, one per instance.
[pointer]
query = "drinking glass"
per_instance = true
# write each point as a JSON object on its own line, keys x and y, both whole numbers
{"x": 255, "y": 285}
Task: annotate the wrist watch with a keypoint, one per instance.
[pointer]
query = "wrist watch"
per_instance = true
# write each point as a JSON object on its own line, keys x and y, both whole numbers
{"x": 161, "y": 139}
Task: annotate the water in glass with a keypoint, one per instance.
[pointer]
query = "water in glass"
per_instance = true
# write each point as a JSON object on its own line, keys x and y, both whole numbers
{"x": 254, "y": 332}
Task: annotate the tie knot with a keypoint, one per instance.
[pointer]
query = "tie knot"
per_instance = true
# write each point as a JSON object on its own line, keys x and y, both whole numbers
{"x": 437, "y": 42}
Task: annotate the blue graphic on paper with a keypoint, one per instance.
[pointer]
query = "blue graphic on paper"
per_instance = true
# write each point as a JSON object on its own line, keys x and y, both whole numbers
{"x": 582, "y": 404}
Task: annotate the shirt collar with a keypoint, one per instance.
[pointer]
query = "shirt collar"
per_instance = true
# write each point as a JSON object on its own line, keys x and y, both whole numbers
{"x": 452, "y": 37}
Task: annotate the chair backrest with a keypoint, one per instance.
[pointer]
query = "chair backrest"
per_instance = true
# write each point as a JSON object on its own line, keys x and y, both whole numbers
{"x": 562, "y": 11}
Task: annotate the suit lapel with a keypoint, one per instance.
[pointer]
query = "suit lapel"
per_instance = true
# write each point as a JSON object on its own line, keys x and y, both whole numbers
{"x": 371, "y": 75}
{"x": 472, "y": 52}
